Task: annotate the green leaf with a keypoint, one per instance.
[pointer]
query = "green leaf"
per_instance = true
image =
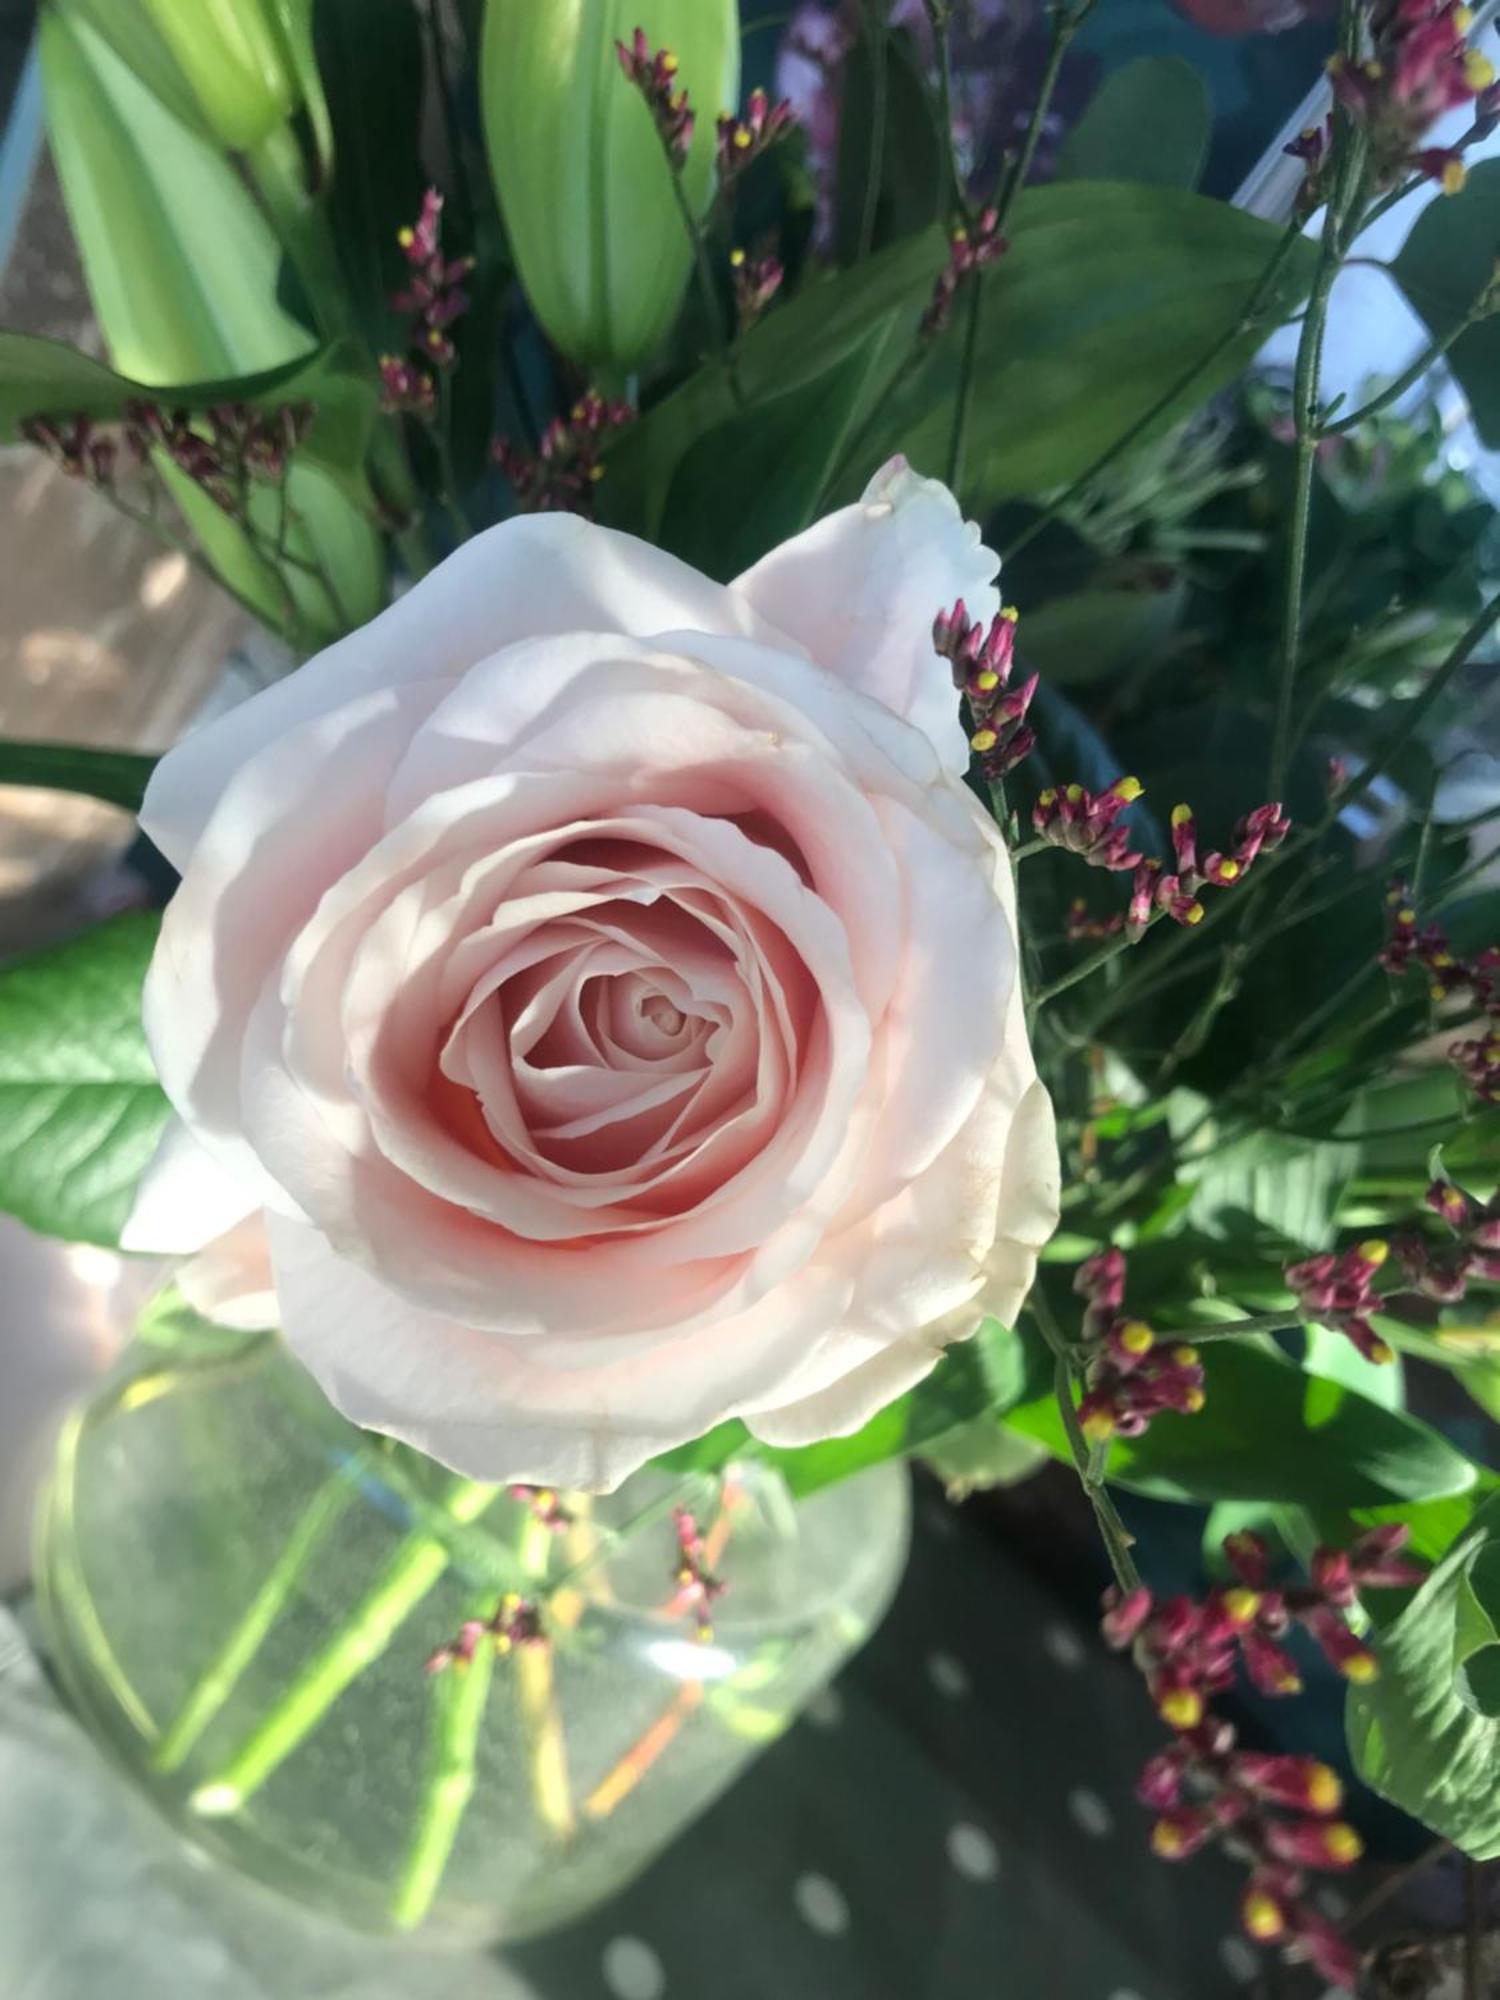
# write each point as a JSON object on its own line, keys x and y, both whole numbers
{"x": 182, "y": 267}
{"x": 135, "y": 38}
{"x": 781, "y": 453}
{"x": 1150, "y": 121}
{"x": 1444, "y": 265}
{"x": 1335, "y": 1356}
{"x": 1290, "y": 1186}
{"x": 1270, "y": 1432}
{"x": 116, "y": 776}
{"x": 1094, "y": 635}
{"x": 913, "y": 158}
{"x": 1108, "y": 296}
{"x": 80, "y": 1107}
{"x": 981, "y": 1454}
{"x": 371, "y": 62}
{"x": 1426, "y": 1734}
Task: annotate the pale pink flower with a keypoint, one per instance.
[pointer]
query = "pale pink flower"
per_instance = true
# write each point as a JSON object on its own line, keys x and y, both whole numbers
{"x": 607, "y": 987}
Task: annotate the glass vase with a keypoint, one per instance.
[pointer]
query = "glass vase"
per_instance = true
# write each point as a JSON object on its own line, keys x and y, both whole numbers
{"x": 313, "y": 1647}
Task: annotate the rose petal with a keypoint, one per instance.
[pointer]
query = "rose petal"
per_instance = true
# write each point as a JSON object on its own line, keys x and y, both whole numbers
{"x": 860, "y": 589}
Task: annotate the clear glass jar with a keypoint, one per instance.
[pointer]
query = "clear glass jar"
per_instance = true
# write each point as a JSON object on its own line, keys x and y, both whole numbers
{"x": 243, "y": 1594}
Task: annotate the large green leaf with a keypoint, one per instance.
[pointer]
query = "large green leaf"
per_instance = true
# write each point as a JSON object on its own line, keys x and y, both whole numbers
{"x": 1270, "y": 1432}
{"x": 1109, "y": 296}
{"x": 80, "y": 1108}
{"x": 912, "y": 154}
{"x": 1444, "y": 265}
{"x": 1426, "y": 1734}
{"x": 116, "y": 776}
{"x": 781, "y": 453}
{"x": 1150, "y": 121}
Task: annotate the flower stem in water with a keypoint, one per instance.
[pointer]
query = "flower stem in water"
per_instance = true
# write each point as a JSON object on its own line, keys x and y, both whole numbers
{"x": 459, "y": 1698}
{"x": 413, "y": 1569}
{"x": 244, "y": 1642}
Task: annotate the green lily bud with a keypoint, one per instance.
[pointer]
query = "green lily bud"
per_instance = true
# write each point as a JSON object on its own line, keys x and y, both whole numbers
{"x": 580, "y": 169}
{"x": 237, "y": 59}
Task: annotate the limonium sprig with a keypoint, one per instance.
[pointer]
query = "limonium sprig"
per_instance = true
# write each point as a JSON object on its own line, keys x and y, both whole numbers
{"x": 1276, "y": 1814}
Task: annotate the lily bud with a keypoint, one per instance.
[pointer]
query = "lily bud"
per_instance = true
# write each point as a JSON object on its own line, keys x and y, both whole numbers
{"x": 237, "y": 60}
{"x": 580, "y": 170}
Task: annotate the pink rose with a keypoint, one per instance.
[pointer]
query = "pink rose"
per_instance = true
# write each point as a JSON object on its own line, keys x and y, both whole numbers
{"x": 607, "y": 987}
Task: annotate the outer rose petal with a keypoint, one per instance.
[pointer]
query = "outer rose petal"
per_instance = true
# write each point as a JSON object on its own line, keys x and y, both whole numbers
{"x": 860, "y": 589}
{"x": 531, "y": 577}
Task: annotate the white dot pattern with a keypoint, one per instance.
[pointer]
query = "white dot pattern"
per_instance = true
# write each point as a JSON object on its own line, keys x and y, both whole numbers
{"x": 949, "y": 1676}
{"x": 1090, "y": 1813}
{"x": 972, "y": 1852}
{"x": 822, "y": 1905}
{"x": 632, "y": 1970}
{"x": 1239, "y": 1960}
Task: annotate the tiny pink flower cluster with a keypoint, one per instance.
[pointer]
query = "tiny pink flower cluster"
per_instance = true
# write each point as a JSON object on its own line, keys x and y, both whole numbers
{"x": 218, "y": 449}
{"x": 742, "y": 141}
{"x": 757, "y": 280}
{"x": 560, "y": 478}
{"x": 970, "y": 248}
{"x": 1087, "y": 823}
{"x": 1444, "y": 1273}
{"x": 654, "y": 74}
{"x": 697, "y": 1588}
{"x": 434, "y": 299}
{"x": 1477, "y": 1059}
{"x": 545, "y": 1506}
{"x": 517, "y": 1621}
{"x": 1130, "y": 1379}
{"x": 1337, "y": 1290}
{"x": 1273, "y": 1813}
{"x": 1154, "y": 891}
{"x": 1420, "y": 65}
{"x": 982, "y": 660}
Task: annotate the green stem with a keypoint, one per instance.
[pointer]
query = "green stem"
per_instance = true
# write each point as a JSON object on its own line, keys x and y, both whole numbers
{"x": 1235, "y": 1329}
{"x": 1083, "y": 970}
{"x": 1091, "y": 1469}
{"x": 707, "y": 292}
{"x": 1305, "y": 418}
{"x": 1410, "y": 377}
{"x": 876, "y": 37}
{"x": 276, "y": 167}
{"x": 442, "y": 438}
{"x": 244, "y": 1642}
{"x": 1066, "y": 23}
{"x": 414, "y": 1567}
{"x": 964, "y": 400}
{"x": 459, "y": 1698}
{"x": 939, "y": 13}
